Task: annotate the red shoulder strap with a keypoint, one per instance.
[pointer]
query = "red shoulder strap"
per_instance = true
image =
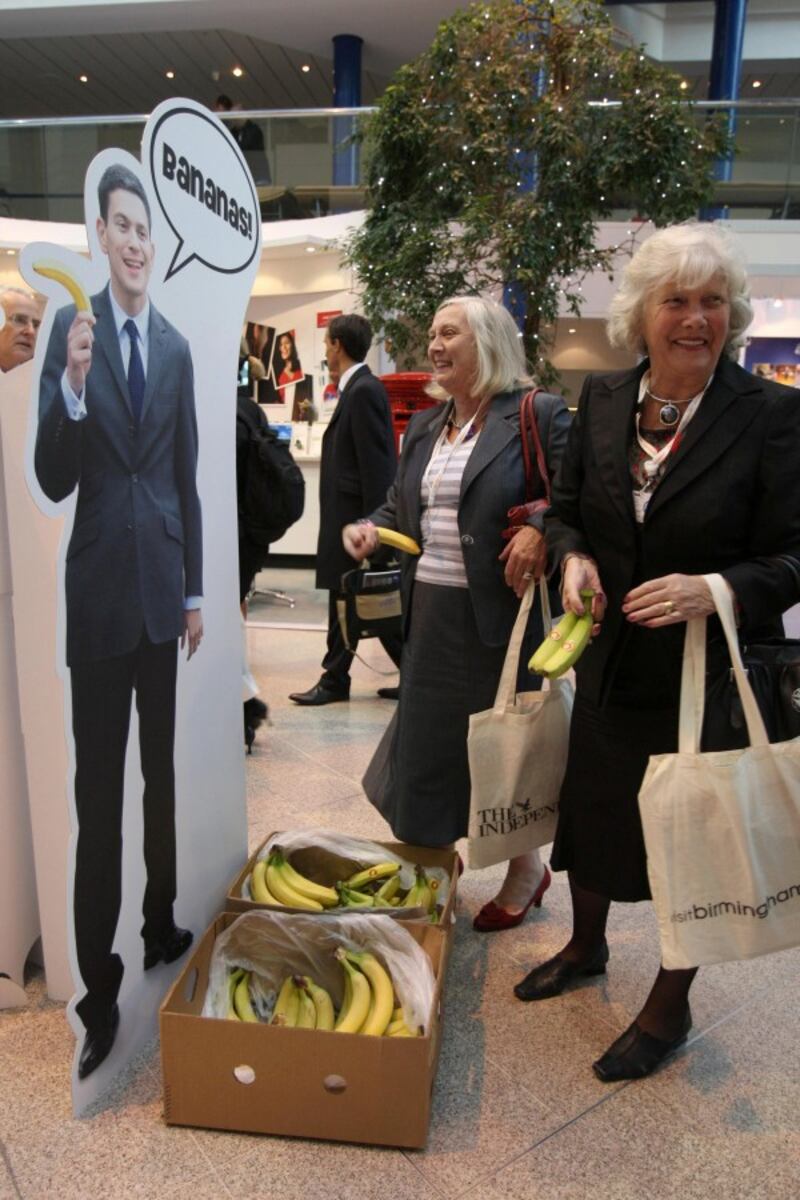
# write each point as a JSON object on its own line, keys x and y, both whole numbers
{"x": 529, "y": 432}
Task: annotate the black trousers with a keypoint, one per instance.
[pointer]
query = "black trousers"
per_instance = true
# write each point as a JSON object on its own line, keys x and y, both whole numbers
{"x": 337, "y": 660}
{"x": 101, "y": 709}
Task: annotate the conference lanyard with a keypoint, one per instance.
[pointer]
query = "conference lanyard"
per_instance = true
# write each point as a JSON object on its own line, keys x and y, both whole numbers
{"x": 656, "y": 458}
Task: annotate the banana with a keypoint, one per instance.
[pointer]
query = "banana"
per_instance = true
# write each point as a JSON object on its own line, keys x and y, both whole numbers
{"x": 573, "y": 646}
{"x": 398, "y": 1028}
{"x": 323, "y": 1004}
{"x": 380, "y": 1012}
{"x": 326, "y": 896}
{"x": 552, "y": 642}
{"x": 352, "y": 899}
{"x": 390, "y": 537}
{"x": 387, "y": 891}
{"x": 50, "y": 269}
{"x": 241, "y": 999}
{"x": 282, "y": 890}
{"x": 307, "y": 1009}
{"x": 356, "y": 1006}
{"x": 287, "y": 1005}
{"x": 258, "y": 884}
{"x": 419, "y": 895}
{"x": 384, "y": 870}
{"x": 233, "y": 980}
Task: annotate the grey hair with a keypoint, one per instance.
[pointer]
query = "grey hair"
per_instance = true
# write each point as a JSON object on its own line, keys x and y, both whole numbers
{"x": 18, "y": 291}
{"x": 688, "y": 255}
{"x": 501, "y": 358}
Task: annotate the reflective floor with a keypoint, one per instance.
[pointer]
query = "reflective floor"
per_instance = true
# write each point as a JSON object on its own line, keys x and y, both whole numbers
{"x": 517, "y": 1110}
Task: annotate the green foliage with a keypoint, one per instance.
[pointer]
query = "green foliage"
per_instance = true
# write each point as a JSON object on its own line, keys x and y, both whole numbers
{"x": 503, "y": 88}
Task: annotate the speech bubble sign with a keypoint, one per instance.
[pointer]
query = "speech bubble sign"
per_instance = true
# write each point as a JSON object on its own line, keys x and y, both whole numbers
{"x": 205, "y": 191}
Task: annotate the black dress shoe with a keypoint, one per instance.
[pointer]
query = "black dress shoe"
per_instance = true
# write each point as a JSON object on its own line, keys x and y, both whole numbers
{"x": 166, "y": 949}
{"x": 98, "y": 1042}
{"x": 319, "y": 694}
{"x": 552, "y": 976}
{"x": 389, "y": 693}
{"x": 636, "y": 1054}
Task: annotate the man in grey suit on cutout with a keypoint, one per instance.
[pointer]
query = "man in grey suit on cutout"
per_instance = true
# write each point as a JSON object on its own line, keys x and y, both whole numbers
{"x": 117, "y": 422}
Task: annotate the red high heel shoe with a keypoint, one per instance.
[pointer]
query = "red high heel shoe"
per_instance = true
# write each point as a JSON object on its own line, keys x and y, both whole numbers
{"x": 493, "y": 917}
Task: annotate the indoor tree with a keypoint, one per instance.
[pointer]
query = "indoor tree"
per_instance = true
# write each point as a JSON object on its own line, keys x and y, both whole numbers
{"x": 494, "y": 154}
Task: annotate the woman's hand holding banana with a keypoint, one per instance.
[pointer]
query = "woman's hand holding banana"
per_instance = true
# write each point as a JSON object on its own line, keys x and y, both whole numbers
{"x": 580, "y": 574}
{"x": 360, "y": 540}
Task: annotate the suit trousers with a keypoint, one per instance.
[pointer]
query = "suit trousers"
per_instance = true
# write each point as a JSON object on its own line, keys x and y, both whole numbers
{"x": 336, "y": 663}
{"x": 101, "y": 708}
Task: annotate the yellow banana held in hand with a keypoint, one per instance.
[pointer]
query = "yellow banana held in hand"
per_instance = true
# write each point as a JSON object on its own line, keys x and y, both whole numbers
{"x": 390, "y": 537}
{"x": 554, "y": 640}
{"x": 573, "y": 646}
{"x": 49, "y": 268}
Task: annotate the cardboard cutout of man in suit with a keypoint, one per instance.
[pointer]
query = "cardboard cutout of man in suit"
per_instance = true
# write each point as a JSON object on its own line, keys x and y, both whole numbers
{"x": 358, "y": 466}
{"x": 117, "y": 422}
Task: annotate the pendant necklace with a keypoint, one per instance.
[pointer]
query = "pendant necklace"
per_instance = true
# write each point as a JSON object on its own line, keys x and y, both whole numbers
{"x": 669, "y": 414}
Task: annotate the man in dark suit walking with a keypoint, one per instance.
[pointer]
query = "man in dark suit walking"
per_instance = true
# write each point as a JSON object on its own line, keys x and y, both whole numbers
{"x": 117, "y": 422}
{"x": 357, "y": 468}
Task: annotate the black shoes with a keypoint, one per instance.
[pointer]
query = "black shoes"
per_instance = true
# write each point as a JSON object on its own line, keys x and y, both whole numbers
{"x": 389, "y": 693}
{"x": 551, "y": 977}
{"x": 636, "y": 1054}
{"x": 98, "y": 1042}
{"x": 167, "y": 948}
{"x": 319, "y": 694}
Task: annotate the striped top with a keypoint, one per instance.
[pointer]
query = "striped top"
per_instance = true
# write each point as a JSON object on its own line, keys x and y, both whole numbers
{"x": 442, "y": 560}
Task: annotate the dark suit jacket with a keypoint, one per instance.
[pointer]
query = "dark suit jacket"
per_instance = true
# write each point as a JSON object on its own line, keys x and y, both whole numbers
{"x": 358, "y": 464}
{"x": 729, "y": 502}
{"x": 493, "y": 482}
{"x": 136, "y": 546}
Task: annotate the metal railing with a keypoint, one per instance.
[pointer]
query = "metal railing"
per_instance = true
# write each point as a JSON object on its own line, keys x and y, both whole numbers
{"x": 43, "y": 160}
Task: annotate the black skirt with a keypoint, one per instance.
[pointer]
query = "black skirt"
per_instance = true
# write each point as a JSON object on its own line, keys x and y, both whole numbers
{"x": 419, "y": 776}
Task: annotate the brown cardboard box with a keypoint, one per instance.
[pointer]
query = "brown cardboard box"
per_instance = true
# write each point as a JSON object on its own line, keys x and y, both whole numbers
{"x": 327, "y": 870}
{"x": 261, "y": 1078}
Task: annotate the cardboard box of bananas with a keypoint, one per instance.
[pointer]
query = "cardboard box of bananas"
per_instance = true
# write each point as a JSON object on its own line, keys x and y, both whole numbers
{"x": 283, "y": 988}
{"x": 321, "y": 870}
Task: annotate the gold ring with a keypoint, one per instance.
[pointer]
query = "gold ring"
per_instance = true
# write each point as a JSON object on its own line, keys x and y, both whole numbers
{"x": 668, "y": 608}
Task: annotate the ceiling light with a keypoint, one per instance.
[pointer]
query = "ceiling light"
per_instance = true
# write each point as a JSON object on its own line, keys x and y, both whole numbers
{"x": 12, "y": 252}
{"x": 756, "y": 83}
{"x": 684, "y": 85}
{"x": 170, "y": 74}
{"x": 777, "y": 303}
{"x": 305, "y": 67}
{"x": 238, "y": 72}
{"x": 311, "y": 249}
{"x": 83, "y": 78}
{"x": 572, "y": 331}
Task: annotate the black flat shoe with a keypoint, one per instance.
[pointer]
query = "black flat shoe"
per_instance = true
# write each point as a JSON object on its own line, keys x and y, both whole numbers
{"x": 636, "y": 1054}
{"x": 551, "y": 977}
{"x": 318, "y": 695}
{"x": 98, "y": 1042}
{"x": 172, "y": 945}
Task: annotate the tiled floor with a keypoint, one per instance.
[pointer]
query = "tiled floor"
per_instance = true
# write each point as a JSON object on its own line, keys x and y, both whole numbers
{"x": 517, "y": 1111}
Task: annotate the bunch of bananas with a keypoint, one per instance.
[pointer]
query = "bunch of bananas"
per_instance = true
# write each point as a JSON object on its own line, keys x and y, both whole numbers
{"x": 368, "y": 1006}
{"x": 565, "y": 643}
{"x": 275, "y": 881}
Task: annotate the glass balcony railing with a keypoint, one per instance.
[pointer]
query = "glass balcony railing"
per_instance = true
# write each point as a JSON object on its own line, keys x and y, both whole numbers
{"x": 308, "y": 168}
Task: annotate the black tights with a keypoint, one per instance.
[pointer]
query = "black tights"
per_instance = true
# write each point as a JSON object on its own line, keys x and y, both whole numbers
{"x": 665, "y": 1008}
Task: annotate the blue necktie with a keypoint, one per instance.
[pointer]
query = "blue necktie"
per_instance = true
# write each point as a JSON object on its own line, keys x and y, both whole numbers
{"x": 135, "y": 371}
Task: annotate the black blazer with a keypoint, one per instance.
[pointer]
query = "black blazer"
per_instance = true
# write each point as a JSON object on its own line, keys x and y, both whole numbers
{"x": 135, "y": 552}
{"x": 358, "y": 464}
{"x": 493, "y": 482}
{"x": 728, "y": 503}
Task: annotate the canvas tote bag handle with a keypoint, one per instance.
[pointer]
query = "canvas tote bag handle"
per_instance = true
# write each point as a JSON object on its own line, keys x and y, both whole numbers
{"x": 693, "y": 680}
{"x": 507, "y": 687}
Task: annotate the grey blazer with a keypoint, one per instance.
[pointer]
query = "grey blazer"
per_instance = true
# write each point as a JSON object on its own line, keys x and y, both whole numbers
{"x": 493, "y": 482}
{"x": 136, "y": 547}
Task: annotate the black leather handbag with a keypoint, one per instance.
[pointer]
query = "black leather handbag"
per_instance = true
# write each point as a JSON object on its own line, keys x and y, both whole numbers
{"x": 369, "y": 604}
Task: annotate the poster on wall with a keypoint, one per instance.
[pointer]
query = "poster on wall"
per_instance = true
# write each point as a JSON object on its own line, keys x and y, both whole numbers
{"x": 775, "y": 358}
{"x": 330, "y": 393}
{"x": 132, "y": 440}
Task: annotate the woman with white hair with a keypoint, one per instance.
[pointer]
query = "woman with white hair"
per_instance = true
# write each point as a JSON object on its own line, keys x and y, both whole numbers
{"x": 684, "y": 466}
{"x": 460, "y": 472}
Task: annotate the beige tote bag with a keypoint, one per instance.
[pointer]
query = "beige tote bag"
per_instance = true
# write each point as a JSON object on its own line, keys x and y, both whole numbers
{"x": 722, "y": 828}
{"x": 517, "y": 755}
